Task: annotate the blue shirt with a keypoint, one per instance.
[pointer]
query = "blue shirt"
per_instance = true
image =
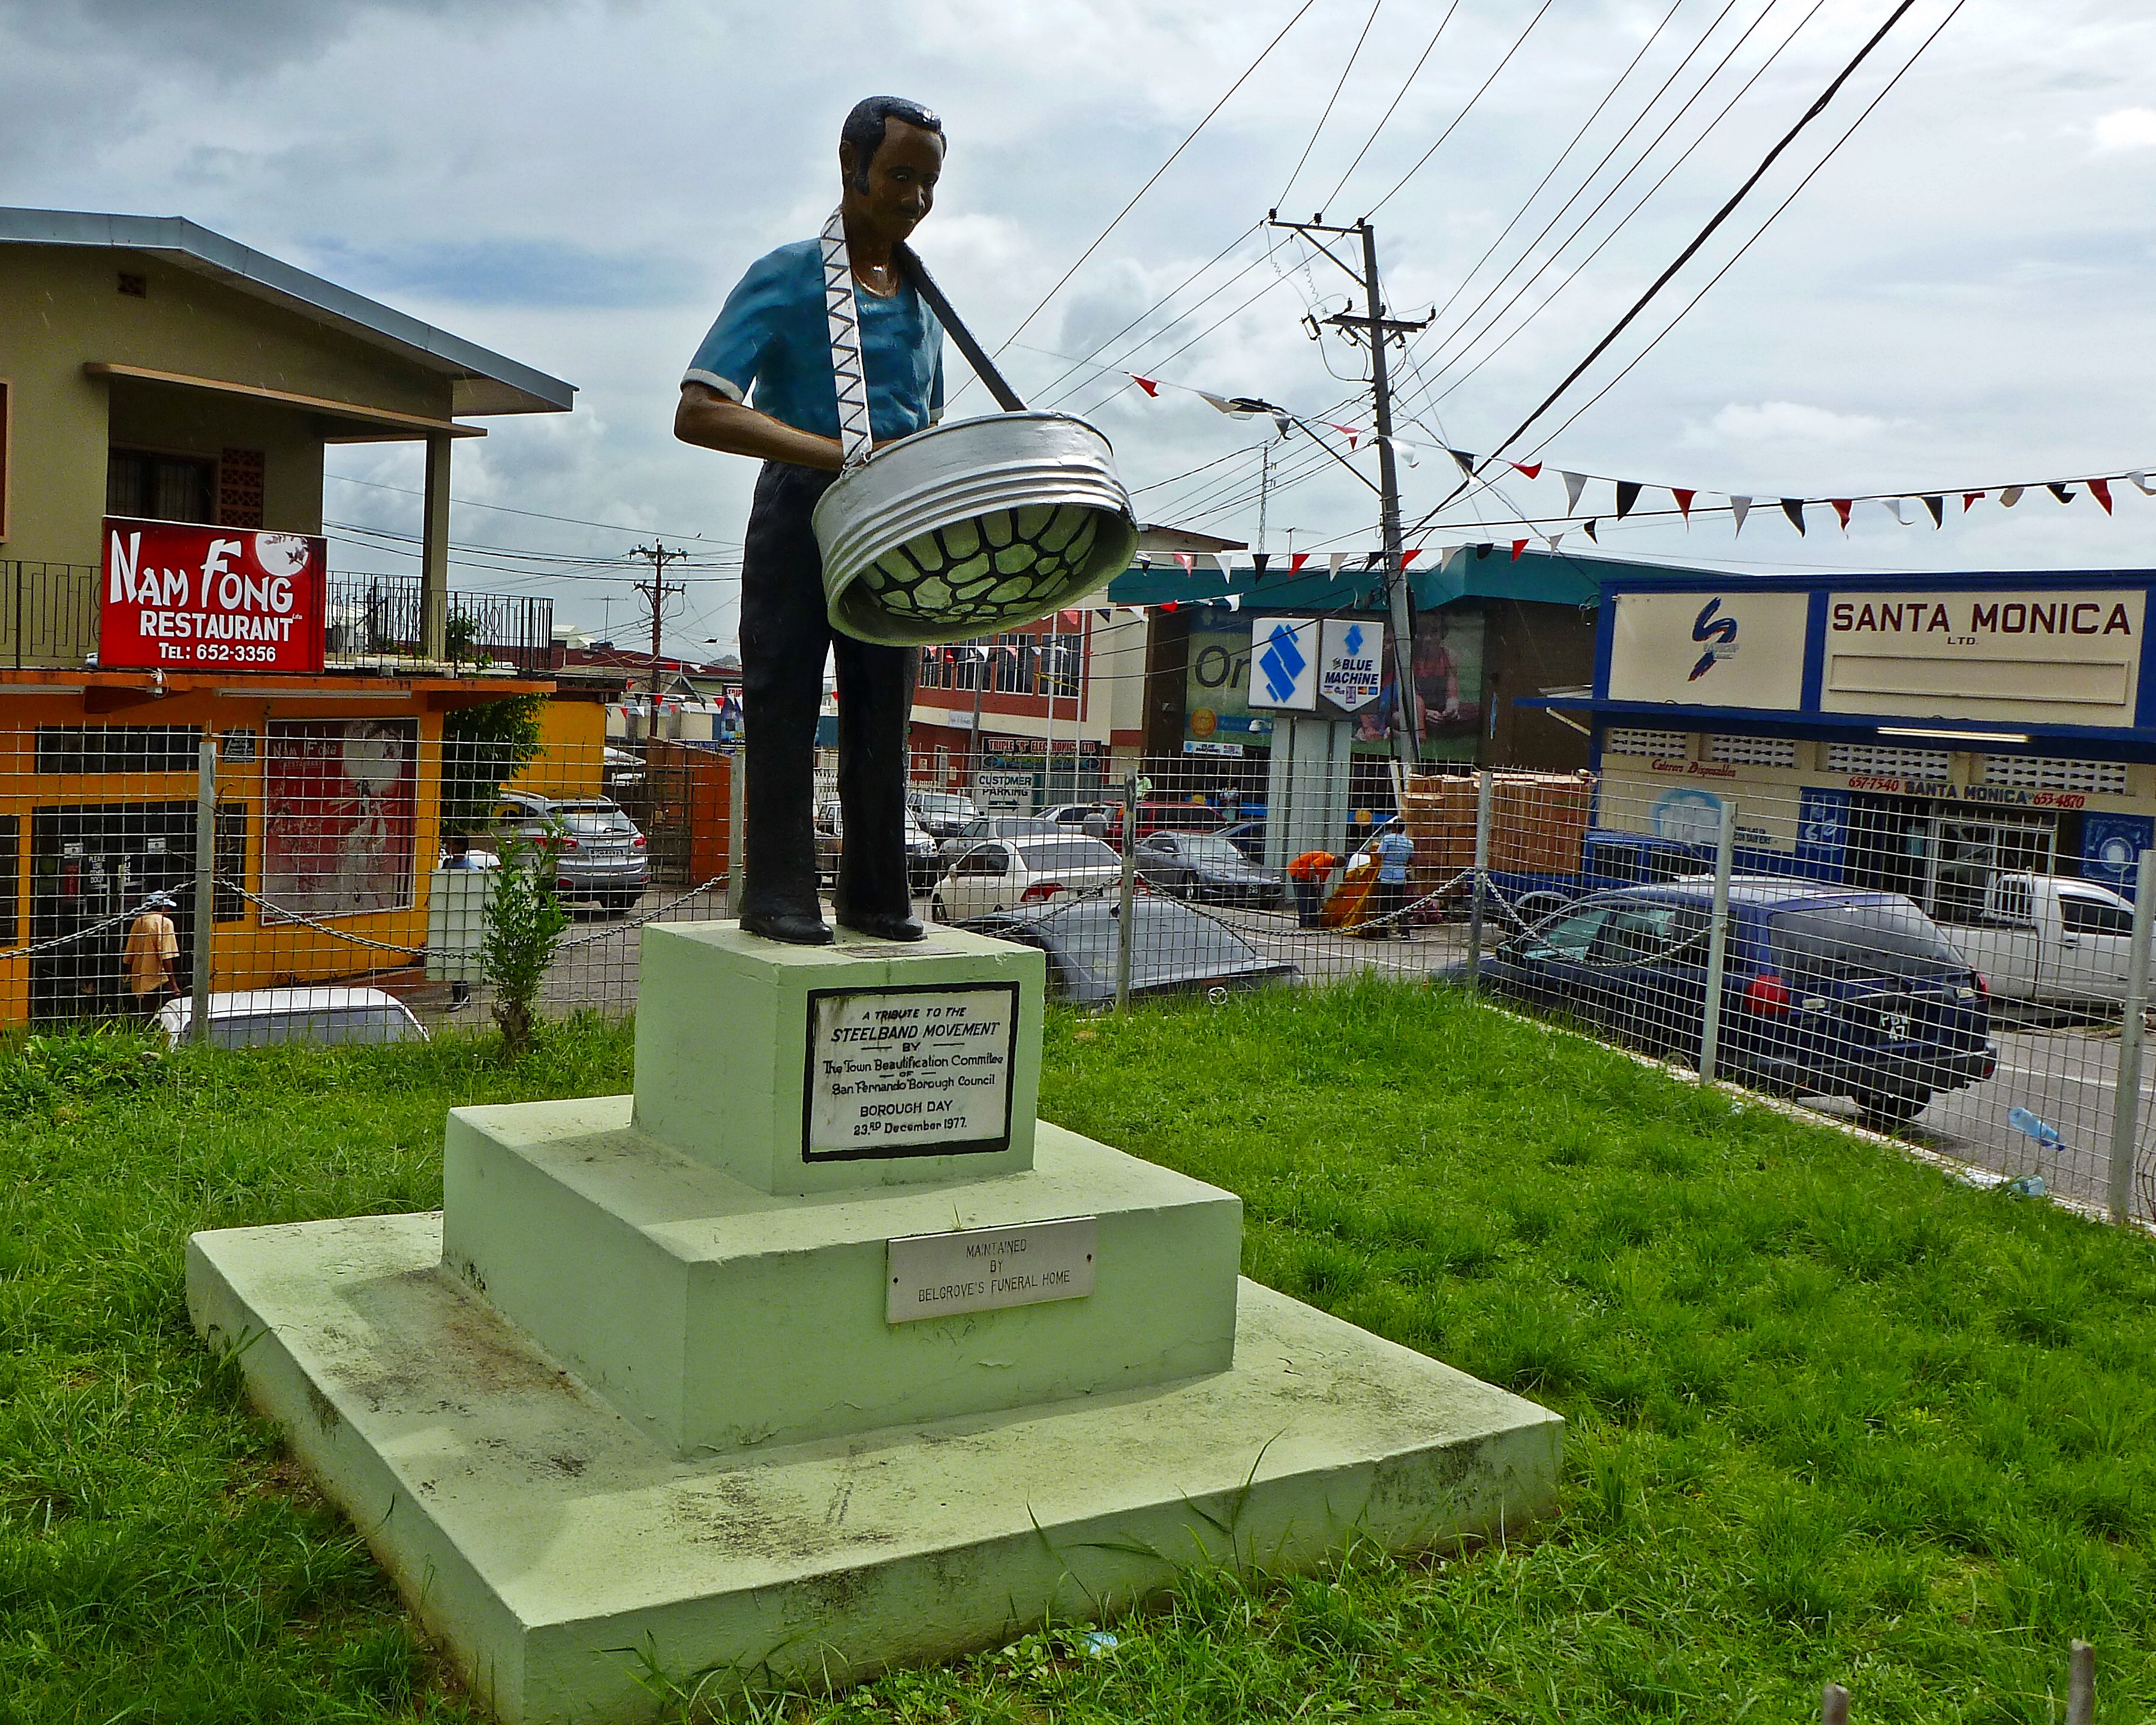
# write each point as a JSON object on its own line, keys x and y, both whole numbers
{"x": 1396, "y": 851}
{"x": 774, "y": 338}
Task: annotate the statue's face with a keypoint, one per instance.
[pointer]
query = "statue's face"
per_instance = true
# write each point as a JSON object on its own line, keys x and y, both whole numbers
{"x": 902, "y": 181}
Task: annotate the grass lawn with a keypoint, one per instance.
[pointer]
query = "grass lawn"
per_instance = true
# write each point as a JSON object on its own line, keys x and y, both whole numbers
{"x": 1833, "y": 1416}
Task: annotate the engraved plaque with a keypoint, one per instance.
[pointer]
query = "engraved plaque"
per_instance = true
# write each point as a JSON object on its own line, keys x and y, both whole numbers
{"x": 982, "y": 1269}
{"x": 922, "y": 1071}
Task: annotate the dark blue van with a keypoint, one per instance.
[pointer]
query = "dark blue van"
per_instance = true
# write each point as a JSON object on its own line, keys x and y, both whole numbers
{"x": 1824, "y": 991}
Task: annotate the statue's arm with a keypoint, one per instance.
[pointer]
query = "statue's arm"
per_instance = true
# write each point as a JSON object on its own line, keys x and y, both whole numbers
{"x": 707, "y": 418}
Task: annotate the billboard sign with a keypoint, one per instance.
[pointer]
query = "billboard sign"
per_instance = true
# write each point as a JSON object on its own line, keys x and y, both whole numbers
{"x": 176, "y": 596}
{"x": 340, "y": 816}
{"x": 1351, "y": 662}
{"x": 1699, "y": 649}
{"x": 1284, "y": 664}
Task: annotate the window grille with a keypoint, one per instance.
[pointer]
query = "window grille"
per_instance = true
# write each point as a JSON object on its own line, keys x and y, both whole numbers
{"x": 2038, "y": 773}
{"x": 1752, "y": 750}
{"x": 1625, "y": 740}
{"x": 1883, "y": 757}
{"x": 119, "y": 748}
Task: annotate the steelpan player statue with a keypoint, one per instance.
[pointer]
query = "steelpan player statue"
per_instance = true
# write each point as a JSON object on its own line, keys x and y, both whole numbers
{"x": 772, "y": 338}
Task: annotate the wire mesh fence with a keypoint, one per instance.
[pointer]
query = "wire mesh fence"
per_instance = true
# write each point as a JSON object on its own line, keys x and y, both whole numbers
{"x": 1963, "y": 985}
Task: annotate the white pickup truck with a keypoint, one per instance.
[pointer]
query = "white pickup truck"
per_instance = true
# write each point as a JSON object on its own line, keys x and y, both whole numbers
{"x": 2043, "y": 938}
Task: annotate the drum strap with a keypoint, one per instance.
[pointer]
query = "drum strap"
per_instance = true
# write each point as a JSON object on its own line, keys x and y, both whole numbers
{"x": 854, "y": 438}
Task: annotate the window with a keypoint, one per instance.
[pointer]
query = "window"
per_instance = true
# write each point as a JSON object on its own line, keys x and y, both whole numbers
{"x": 1625, "y": 740}
{"x": 1570, "y": 936}
{"x": 984, "y": 860}
{"x": 1752, "y": 750}
{"x": 1874, "y": 939}
{"x": 1875, "y": 758}
{"x": 1058, "y": 659}
{"x": 119, "y": 748}
{"x": 164, "y": 488}
{"x": 2035, "y": 772}
{"x": 2092, "y": 915}
{"x": 11, "y": 864}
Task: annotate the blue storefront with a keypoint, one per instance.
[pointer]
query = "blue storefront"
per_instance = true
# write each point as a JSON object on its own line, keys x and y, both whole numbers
{"x": 1908, "y": 733}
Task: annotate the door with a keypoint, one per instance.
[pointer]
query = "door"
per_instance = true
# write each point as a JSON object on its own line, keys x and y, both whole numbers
{"x": 2093, "y": 945}
{"x": 978, "y": 882}
{"x": 1553, "y": 962}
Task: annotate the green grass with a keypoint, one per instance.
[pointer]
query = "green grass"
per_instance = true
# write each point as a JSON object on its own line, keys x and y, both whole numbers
{"x": 1833, "y": 1416}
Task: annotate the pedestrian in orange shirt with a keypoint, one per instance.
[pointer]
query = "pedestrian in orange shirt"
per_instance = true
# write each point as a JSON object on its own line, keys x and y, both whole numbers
{"x": 1308, "y": 872}
{"x": 151, "y": 957}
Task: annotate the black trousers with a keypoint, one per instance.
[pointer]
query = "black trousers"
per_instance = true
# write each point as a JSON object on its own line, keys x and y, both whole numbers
{"x": 785, "y": 634}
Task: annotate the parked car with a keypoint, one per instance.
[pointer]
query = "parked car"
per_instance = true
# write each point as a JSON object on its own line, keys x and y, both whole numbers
{"x": 1174, "y": 948}
{"x": 598, "y": 855}
{"x": 1206, "y": 867}
{"x": 923, "y": 865}
{"x": 2040, "y": 937}
{"x": 943, "y": 813}
{"x": 1248, "y": 837}
{"x": 1006, "y": 874}
{"x": 1825, "y": 990}
{"x": 1179, "y": 817}
{"x": 994, "y": 826}
{"x": 259, "y": 1018}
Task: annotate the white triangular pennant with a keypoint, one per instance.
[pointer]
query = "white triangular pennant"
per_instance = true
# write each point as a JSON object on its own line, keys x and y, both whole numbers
{"x": 1234, "y": 602}
{"x": 1553, "y": 540}
{"x": 1892, "y": 506}
{"x": 1739, "y": 507}
{"x": 1333, "y": 560}
{"x": 2010, "y": 497}
{"x": 1574, "y": 484}
{"x": 2141, "y": 484}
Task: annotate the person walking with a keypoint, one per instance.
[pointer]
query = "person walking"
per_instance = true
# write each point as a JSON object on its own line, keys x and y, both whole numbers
{"x": 460, "y": 857}
{"x": 150, "y": 957}
{"x": 1395, "y": 856}
{"x": 1308, "y": 873}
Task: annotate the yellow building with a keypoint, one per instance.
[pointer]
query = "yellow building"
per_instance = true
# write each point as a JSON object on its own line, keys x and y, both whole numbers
{"x": 152, "y": 371}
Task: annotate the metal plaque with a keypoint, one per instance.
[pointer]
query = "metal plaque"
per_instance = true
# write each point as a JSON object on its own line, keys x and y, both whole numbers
{"x": 983, "y": 1269}
{"x": 919, "y": 1070}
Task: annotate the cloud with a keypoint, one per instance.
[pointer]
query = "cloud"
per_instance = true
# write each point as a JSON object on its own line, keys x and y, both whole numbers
{"x": 2125, "y": 129}
{"x": 531, "y": 272}
{"x": 1790, "y": 422}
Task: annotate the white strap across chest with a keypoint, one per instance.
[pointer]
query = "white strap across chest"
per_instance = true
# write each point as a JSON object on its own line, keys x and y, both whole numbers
{"x": 855, "y": 440}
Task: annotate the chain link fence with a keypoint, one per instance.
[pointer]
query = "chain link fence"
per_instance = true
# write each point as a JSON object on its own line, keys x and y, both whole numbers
{"x": 1965, "y": 986}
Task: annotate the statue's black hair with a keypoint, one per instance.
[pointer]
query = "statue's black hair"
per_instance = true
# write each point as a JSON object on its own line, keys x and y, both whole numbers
{"x": 864, "y": 129}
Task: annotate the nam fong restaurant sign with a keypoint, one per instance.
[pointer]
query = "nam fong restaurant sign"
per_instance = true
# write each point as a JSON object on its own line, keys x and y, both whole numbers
{"x": 2062, "y": 657}
{"x": 179, "y": 597}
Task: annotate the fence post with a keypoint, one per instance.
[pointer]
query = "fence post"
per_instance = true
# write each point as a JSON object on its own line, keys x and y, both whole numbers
{"x": 1129, "y": 892}
{"x": 2126, "y": 1097}
{"x": 1717, "y": 943}
{"x": 205, "y": 907}
{"x": 1834, "y": 1705}
{"x": 1481, "y": 876}
{"x": 736, "y": 812}
{"x": 2081, "y": 1681}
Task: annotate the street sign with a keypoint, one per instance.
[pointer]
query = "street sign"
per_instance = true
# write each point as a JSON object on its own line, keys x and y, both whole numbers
{"x": 1351, "y": 662}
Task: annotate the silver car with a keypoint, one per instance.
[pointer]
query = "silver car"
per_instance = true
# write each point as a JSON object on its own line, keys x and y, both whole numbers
{"x": 598, "y": 855}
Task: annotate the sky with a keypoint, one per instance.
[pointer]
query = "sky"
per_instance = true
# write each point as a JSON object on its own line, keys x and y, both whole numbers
{"x": 1957, "y": 299}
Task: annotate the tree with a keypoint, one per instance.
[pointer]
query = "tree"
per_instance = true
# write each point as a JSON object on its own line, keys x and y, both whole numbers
{"x": 524, "y": 926}
{"x": 483, "y": 747}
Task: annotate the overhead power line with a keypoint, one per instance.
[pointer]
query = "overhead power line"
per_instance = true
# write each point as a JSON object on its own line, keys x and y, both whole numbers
{"x": 1713, "y": 225}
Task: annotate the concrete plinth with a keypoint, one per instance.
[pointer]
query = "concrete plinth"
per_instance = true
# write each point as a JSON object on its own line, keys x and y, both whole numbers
{"x": 716, "y": 1316}
{"x": 550, "y": 1543}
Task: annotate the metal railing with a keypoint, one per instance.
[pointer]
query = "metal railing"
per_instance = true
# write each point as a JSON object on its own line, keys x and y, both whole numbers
{"x": 47, "y": 614}
{"x": 378, "y": 621}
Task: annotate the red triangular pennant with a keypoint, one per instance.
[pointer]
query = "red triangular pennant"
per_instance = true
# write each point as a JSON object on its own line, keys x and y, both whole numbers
{"x": 1684, "y": 502}
{"x": 1518, "y": 546}
{"x": 1147, "y": 384}
{"x": 1969, "y": 499}
{"x": 1842, "y": 505}
{"x": 1528, "y": 470}
{"x": 1294, "y": 564}
{"x": 1409, "y": 556}
{"x": 1189, "y": 563}
{"x": 2100, "y": 490}
{"x": 1168, "y": 605}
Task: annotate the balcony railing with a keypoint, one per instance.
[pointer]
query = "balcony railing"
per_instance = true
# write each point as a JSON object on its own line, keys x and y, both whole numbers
{"x": 374, "y": 620}
{"x": 48, "y": 622}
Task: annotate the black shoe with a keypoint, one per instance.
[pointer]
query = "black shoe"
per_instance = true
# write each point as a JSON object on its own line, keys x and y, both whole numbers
{"x": 885, "y": 925}
{"x": 796, "y": 928}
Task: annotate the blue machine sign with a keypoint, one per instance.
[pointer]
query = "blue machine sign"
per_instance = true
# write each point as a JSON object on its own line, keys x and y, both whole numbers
{"x": 1351, "y": 662}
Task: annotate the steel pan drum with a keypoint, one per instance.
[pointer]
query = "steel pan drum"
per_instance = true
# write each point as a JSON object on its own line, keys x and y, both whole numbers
{"x": 972, "y": 527}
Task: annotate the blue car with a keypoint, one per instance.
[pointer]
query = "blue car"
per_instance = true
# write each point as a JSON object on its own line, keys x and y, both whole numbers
{"x": 1825, "y": 990}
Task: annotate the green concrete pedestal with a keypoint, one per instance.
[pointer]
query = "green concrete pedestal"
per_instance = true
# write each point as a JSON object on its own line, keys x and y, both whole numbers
{"x": 820, "y": 1353}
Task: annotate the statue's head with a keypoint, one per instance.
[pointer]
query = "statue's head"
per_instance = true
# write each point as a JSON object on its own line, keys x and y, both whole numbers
{"x": 891, "y": 155}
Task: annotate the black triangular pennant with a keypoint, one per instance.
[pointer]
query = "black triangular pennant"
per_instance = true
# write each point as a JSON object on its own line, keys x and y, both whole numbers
{"x": 1794, "y": 507}
{"x": 1628, "y": 494}
{"x": 1484, "y": 549}
{"x": 1937, "y": 506}
{"x": 1592, "y": 534}
{"x": 1259, "y": 559}
{"x": 1465, "y": 460}
{"x": 2062, "y": 493}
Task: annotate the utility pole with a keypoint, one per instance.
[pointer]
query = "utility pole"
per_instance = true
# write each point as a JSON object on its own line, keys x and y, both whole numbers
{"x": 1379, "y": 331}
{"x": 656, "y": 593}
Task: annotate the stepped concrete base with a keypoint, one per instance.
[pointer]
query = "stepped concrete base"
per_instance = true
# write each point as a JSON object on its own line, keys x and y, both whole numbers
{"x": 718, "y": 1317}
{"x": 552, "y": 1547}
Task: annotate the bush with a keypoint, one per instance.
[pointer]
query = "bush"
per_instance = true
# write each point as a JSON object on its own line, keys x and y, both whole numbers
{"x": 524, "y": 925}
